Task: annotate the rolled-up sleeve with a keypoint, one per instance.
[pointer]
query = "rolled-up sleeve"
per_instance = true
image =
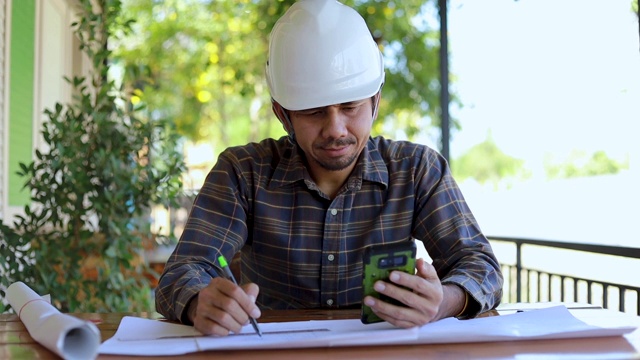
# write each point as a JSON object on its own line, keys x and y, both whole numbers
{"x": 461, "y": 253}
{"x": 216, "y": 226}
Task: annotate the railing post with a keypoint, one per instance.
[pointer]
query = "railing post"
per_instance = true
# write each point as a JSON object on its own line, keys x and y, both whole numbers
{"x": 518, "y": 272}
{"x": 516, "y": 280}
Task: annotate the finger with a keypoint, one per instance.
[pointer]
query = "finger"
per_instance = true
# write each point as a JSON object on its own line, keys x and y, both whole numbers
{"x": 432, "y": 288}
{"x": 237, "y": 303}
{"x": 218, "y": 307}
{"x": 396, "y": 315}
{"x": 205, "y": 323}
{"x": 422, "y": 293}
{"x": 206, "y": 314}
{"x": 425, "y": 283}
{"x": 417, "y": 310}
{"x": 426, "y": 270}
{"x": 250, "y": 306}
{"x": 251, "y": 289}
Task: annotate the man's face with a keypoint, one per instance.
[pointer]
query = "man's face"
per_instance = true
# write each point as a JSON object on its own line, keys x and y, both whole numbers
{"x": 332, "y": 137}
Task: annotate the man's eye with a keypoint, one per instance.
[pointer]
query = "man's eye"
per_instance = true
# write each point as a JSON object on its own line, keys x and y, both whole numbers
{"x": 310, "y": 113}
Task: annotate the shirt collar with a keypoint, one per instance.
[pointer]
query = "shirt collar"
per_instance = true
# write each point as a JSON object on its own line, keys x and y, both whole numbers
{"x": 369, "y": 167}
{"x": 374, "y": 168}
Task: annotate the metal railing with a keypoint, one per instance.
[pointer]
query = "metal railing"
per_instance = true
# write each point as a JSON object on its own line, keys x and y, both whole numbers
{"x": 539, "y": 283}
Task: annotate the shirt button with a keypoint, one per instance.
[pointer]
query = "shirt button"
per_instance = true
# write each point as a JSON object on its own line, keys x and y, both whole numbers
{"x": 334, "y": 211}
{"x": 331, "y": 257}
{"x": 330, "y": 302}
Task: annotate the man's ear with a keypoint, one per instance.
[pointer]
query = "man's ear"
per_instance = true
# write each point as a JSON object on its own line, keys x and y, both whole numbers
{"x": 376, "y": 104}
{"x": 282, "y": 115}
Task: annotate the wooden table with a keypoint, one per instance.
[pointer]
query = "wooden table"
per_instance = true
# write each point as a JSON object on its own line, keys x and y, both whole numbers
{"x": 15, "y": 342}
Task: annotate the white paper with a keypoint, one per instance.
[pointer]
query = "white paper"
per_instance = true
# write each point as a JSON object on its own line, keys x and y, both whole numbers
{"x": 65, "y": 335}
{"x": 137, "y": 336}
{"x": 550, "y": 323}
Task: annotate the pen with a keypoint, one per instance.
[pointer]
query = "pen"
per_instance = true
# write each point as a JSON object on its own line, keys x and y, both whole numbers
{"x": 229, "y": 275}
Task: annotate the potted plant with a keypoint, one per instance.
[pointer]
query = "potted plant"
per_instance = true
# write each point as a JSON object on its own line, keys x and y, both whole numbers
{"x": 81, "y": 239}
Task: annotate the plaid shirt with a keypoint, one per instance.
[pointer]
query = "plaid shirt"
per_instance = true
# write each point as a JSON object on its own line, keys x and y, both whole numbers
{"x": 303, "y": 249}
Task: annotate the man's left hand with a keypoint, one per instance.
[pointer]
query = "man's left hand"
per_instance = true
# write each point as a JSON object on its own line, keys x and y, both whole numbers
{"x": 427, "y": 300}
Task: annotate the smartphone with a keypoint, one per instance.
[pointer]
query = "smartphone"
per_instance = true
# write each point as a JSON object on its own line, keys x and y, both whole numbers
{"x": 378, "y": 261}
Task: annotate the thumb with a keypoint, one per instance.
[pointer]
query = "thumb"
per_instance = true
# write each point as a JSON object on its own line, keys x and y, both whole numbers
{"x": 252, "y": 290}
{"x": 426, "y": 270}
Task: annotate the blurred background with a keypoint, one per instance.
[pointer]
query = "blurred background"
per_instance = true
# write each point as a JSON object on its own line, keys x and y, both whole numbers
{"x": 542, "y": 126}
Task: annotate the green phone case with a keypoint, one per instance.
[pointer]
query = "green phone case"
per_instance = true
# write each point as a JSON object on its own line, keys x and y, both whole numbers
{"x": 378, "y": 262}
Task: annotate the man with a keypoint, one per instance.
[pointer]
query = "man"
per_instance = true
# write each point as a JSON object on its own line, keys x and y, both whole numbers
{"x": 302, "y": 208}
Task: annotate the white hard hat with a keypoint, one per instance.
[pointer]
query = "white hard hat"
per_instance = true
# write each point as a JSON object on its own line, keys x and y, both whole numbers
{"x": 322, "y": 53}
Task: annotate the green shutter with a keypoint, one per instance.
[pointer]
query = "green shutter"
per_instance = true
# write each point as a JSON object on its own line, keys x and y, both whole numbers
{"x": 21, "y": 90}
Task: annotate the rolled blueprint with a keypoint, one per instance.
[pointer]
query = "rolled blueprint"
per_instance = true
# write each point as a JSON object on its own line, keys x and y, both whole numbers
{"x": 69, "y": 337}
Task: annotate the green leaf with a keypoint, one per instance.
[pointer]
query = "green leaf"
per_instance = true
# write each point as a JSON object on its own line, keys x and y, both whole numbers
{"x": 82, "y": 194}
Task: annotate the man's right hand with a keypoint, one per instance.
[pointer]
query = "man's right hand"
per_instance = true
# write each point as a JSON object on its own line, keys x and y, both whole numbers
{"x": 223, "y": 307}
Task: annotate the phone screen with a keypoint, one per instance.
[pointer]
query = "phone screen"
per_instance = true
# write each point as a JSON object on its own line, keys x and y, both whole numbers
{"x": 378, "y": 262}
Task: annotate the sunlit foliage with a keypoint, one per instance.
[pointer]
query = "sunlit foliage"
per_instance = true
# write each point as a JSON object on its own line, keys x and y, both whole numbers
{"x": 201, "y": 64}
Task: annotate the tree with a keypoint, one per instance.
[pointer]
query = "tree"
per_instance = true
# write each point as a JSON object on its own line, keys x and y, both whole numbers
{"x": 580, "y": 164}
{"x": 485, "y": 162}
{"x": 204, "y": 64}
{"x": 81, "y": 238}
{"x": 635, "y": 6}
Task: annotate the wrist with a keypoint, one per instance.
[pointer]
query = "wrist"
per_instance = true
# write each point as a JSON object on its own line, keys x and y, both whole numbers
{"x": 455, "y": 301}
{"x": 465, "y": 306}
{"x": 191, "y": 311}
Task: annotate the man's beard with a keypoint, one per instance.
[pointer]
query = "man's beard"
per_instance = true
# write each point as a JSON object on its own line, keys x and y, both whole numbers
{"x": 340, "y": 163}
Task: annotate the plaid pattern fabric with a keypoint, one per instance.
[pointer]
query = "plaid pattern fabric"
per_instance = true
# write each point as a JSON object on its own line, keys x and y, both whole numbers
{"x": 303, "y": 249}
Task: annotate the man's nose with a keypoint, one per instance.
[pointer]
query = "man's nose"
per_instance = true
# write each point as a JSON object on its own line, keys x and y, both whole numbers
{"x": 334, "y": 123}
